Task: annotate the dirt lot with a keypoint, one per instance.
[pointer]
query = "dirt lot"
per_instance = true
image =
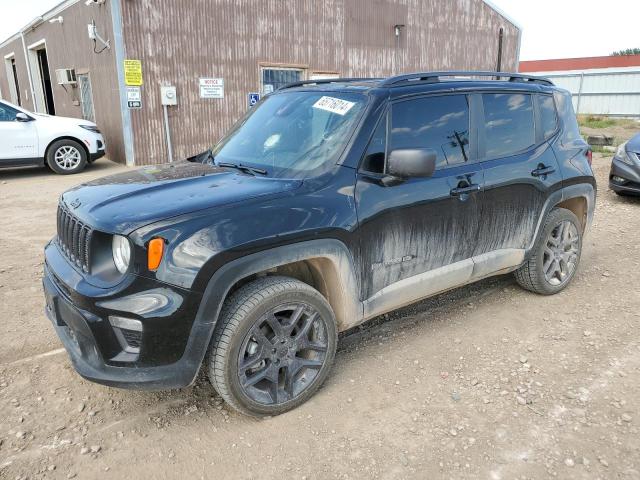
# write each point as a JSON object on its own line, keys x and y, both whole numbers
{"x": 488, "y": 381}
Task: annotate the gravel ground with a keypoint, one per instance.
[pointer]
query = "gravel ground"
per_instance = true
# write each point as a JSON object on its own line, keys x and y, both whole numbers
{"x": 487, "y": 381}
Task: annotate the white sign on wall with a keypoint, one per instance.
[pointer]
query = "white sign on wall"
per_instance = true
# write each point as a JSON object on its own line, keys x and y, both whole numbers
{"x": 212, "y": 88}
{"x": 134, "y": 97}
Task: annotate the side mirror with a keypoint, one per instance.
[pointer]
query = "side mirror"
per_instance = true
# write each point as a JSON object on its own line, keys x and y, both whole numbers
{"x": 23, "y": 117}
{"x": 411, "y": 162}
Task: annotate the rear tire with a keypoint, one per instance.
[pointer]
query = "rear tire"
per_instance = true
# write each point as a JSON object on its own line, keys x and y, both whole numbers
{"x": 556, "y": 254}
{"x": 66, "y": 157}
{"x": 273, "y": 346}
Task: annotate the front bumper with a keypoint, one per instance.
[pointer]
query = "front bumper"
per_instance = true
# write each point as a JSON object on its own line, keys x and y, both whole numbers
{"x": 630, "y": 174}
{"x": 172, "y": 346}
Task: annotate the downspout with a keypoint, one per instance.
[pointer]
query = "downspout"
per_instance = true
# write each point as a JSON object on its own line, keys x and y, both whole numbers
{"x": 26, "y": 59}
{"x": 500, "y": 39}
{"x": 119, "y": 49}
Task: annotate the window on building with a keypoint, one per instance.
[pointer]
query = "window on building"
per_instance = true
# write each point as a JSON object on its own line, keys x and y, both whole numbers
{"x": 86, "y": 97}
{"x": 7, "y": 114}
{"x": 275, "y": 77}
{"x": 376, "y": 151}
{"x": 548, "y": 117}
{"x": 509, "y": 125}
{"x": 438, "y": 123}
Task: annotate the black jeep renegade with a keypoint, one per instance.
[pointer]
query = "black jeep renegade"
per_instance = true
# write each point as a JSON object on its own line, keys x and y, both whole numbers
{"x": 329, "y": 203}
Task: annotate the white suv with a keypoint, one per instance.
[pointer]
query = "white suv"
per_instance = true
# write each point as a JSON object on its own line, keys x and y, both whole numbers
{"x": 66, "y": 145}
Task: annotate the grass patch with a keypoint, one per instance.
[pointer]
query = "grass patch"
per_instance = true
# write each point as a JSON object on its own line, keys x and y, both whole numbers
{"x": 601, "y": 121}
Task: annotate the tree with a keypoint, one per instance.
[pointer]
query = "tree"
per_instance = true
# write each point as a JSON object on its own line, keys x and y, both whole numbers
{"x": 628, "y": 51}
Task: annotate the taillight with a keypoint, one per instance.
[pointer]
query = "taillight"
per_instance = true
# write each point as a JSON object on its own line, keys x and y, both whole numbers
{"x": 589, "y": 155}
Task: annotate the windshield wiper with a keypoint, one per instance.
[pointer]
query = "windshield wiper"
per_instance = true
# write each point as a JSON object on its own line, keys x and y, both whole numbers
{"x": 243, "y": 168}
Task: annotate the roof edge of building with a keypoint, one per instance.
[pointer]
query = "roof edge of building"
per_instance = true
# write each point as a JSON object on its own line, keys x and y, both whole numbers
{"x": 580, "y": 63}
{"x": 48, "y": 15}
{"x": 503, "y": 14}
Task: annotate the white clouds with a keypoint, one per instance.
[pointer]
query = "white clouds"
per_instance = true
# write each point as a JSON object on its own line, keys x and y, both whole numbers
{"x": 16, "y": 14}
{"x": 574, "y": 28}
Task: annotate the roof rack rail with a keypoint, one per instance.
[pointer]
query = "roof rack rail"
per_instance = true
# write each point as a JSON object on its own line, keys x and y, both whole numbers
{"x": 432, "y": 77}
{"x": 325, "y": 80}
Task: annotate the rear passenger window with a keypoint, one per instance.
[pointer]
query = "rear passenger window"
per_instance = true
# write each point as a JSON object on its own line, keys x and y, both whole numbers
{"x": 439, "y": 123}
{"x": 548, "y": 115}
{"x": 509, "y": 126}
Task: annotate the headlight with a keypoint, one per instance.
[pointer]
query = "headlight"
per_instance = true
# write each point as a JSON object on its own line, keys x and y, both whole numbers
{"x": 91, "y": 128}
{"x": 622, "y": 155}
{"x": 121, "y": 253}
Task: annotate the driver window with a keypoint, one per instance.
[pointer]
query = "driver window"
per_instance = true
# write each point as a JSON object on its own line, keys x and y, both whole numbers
{"x": 440, "y": 123}
{"x": 7, "y": 114}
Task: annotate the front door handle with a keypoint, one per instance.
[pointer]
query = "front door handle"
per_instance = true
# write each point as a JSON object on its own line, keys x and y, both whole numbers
{"x": 456, "y": 192}
{"x": 543, "y": 171}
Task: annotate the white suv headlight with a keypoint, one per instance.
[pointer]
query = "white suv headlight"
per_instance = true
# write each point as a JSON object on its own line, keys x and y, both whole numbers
{"x": 121, "y": 253}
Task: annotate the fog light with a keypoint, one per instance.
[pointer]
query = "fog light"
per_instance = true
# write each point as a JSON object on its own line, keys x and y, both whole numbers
{"x": 128, "y": 332}
{"x": 617, "y": 179}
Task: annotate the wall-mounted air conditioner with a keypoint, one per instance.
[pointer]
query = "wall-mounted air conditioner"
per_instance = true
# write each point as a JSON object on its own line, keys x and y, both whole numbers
{"x": 66, "y": 76}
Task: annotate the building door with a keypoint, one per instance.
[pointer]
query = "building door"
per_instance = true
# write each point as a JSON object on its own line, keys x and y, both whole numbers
{"x": 86, "y": 97}
{"x": 45, "y": 79}
{"x": 14, "y": 72}
{"x": 12, "y": 79}
{"x": 275, "y": 77}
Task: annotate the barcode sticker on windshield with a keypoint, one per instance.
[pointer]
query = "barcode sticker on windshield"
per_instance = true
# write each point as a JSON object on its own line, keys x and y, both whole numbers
{"x": 334, "y": 105}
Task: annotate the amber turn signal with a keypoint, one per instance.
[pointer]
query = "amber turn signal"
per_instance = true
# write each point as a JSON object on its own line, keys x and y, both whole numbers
{"x": 154, "y": 253}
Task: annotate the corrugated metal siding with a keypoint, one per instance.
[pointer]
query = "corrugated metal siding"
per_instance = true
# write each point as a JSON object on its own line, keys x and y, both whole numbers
{"x": 68, "y": 46}
{"x": 179, "y": 42}
{"x": 605, "y": 92}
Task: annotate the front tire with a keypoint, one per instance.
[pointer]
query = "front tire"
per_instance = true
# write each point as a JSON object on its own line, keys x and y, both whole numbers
{"x": 66, "y": 157}
{"x": 555, "y": 256}
{"x": 273, "y": 346}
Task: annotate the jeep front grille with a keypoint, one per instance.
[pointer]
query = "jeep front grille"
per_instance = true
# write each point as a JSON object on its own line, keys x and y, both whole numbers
{"x": 74, "y": 238}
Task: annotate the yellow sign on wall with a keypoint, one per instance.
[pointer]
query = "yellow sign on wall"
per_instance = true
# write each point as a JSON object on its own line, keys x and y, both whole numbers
{"x": 133, "y": 73}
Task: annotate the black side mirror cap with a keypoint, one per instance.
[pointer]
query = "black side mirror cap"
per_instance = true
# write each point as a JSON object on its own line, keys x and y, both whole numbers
{"x": 23, "y": 117}
{"x": 412, "y": 162}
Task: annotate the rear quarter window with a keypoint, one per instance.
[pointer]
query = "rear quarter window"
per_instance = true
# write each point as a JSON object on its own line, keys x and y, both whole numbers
{"x": 548, "y": 116}
{"x": 509, "y": 124}
{"x": 570, "y": 129}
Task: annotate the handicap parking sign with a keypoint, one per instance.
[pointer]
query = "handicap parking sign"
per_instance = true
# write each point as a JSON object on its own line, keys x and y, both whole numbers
{"x": 254, "y": 98}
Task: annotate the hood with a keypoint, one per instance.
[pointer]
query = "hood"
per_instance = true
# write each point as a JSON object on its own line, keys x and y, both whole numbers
{"x": 633, "y": 145}
{"x": 74, "y": 122}
{"x": 127, "y": 201}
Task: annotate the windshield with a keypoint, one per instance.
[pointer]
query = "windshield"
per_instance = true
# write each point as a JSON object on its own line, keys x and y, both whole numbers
{"x": 293, "y": 134}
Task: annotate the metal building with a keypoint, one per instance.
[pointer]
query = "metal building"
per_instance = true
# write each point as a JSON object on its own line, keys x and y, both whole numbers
{"x": 599, "y": 85}
{"x": 111, "y": 60}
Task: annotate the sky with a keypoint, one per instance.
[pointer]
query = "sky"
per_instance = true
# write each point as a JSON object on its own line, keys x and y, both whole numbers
{"x": 551, "y": 28}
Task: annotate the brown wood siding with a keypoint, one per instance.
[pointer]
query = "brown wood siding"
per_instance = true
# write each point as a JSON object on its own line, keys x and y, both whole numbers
{"x": 179, "y": 42}
{"x": 68, "y": 46}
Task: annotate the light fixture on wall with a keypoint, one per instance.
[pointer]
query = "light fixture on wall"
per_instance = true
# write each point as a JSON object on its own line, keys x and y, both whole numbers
{"x": 57, "y": 20}
{"x": 95, "y": 37}
{"x": 397, "y": 29}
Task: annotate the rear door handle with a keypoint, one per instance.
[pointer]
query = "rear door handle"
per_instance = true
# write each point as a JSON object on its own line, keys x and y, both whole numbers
{"x": 543, "y": 171}
{"x": 456, "y": 192}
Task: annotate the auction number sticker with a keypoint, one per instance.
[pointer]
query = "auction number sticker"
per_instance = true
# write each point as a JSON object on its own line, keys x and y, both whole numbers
{"x": 333, "y": 105}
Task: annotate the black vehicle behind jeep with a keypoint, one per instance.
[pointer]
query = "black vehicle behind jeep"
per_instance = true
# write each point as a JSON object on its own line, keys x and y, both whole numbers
{"x": 330, "y": 203}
